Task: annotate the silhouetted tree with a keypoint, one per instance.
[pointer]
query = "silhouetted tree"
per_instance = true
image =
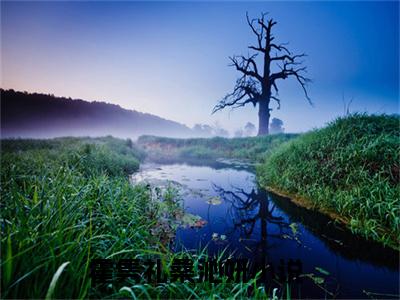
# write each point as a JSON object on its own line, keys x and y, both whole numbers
{"x": 258, "y": 81}
{"x": 276, "y": 126}
{"x": 238, "y": 133}
{"x": 249, "y": 129}
{"x": 129, "y": 143}
{"x": 219, "y": 131}
{"x": 203, "y": 130}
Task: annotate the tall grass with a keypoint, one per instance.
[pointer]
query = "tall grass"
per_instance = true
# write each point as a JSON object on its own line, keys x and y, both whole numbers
{"x": 350, "y": 167}
{"x": 252, "y": 148}
{"x": 68, "y": 201}
{"x": 199, "y": 289}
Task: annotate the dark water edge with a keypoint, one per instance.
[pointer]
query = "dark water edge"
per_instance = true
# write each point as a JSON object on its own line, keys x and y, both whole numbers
{"x": 258, "y": 226}
{"x": 351, "y": 246}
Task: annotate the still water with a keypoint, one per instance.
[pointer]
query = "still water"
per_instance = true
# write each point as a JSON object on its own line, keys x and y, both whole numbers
{"x": 263, "y": 227}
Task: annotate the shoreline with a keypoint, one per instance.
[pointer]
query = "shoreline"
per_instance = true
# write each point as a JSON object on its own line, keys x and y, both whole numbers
{"x": 308, "y": 204}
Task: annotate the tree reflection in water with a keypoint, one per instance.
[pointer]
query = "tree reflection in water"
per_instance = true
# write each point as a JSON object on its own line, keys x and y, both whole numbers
{"x": 248, "y": 208}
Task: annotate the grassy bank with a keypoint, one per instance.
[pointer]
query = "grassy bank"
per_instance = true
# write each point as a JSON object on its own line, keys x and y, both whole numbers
{"x": 350, "y": 168}
{"x": 251, "y": 148}
{"x": 67, "y": 201}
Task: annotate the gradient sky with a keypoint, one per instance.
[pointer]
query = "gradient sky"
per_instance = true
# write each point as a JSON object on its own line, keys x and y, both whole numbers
{"x": 170, "y": 58}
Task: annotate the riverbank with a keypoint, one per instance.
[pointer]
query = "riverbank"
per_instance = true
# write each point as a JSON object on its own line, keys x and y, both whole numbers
{"x": 350, "y": 168}
{"x": 68, "y": 201}
{"x": 253, "y": 149}
{"x": 244, "y": 220}
{"x": 307, "y": 204}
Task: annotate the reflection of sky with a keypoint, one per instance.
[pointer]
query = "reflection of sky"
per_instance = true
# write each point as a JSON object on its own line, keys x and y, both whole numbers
{"x": 170, "y": 58}
{"x": 198, "y": 184}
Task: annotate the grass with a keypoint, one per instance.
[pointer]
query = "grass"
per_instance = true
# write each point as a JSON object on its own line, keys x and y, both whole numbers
{"x": 251, "y": 148}
{"x": 67, "y": 201}
{"x": 351, "y": 167}
{"x": 198, "y": 289}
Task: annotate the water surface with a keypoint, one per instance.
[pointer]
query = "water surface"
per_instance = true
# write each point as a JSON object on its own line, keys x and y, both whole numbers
{"x": 263, "y": 227}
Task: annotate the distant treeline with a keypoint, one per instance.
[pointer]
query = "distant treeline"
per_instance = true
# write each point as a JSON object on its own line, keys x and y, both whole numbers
{"x": 249, "y": 148}
{"x": 40, "y": 115}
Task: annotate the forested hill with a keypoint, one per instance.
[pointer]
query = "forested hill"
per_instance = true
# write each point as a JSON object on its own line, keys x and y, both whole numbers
{"x": 40, "y": 115}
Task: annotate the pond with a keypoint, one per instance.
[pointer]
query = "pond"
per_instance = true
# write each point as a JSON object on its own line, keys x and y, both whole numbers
{"x": 250, "y": 222}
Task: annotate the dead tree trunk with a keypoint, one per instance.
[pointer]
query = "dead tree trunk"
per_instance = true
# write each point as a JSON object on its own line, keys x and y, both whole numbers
{"x": 263, "y": 118}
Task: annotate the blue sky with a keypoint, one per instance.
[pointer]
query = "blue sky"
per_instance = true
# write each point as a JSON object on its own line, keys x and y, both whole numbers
{"x": 171, "y": 58}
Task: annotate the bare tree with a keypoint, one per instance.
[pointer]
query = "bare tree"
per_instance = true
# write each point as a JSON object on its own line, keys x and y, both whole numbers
{"x": 276, "y": 126}
{"x": 250, "y": 129}
{"x": 258, "y": 81}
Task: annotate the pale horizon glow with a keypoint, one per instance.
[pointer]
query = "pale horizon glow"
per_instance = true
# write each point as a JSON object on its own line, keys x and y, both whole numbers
{"x": 170, "y": 58}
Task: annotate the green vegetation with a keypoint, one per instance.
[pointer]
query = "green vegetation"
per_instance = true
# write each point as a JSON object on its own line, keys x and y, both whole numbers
{"x": 351, "y": 167}
{"x": 87, "y": 155}
{"x": 252, "y": 148}
{"x": 67, "y": 201}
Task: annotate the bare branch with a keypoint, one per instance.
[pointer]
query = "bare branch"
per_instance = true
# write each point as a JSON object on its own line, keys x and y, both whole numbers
{"x": 275, "y": 87}
{"x": 277, "y": 100}
{"x": 280, "y": 47}
{"x": 251, "y": 61}
{"x": 246, "y": 91}
{"x": 289, "y": 69}
{"x": 259, "y": 35}
{"x": 244, "y": 66}
{"x": 288, "y": 57}
{"x": 260, "y": 49}
{"x": 267, "y": 27}
{"x": 303, "y": 82}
